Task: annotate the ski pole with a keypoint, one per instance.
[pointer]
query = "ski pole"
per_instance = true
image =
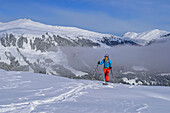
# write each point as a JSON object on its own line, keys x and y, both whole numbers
{"x": 95, "y": 70}
{"x": 112, "y": 73}
{"x": 104, "y": 78}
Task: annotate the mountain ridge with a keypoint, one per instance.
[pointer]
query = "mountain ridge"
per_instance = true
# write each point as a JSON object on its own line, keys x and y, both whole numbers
{"x": 29, "y": 28}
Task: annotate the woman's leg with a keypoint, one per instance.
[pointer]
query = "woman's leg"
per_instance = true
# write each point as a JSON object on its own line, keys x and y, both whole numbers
{"x": 107, "y": 75}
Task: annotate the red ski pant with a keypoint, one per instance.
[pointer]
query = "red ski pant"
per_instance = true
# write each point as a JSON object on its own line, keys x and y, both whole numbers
{"x": 106, "y": 72}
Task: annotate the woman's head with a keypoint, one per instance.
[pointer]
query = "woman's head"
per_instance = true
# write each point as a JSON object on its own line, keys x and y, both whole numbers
{"x": 106, "y": 55}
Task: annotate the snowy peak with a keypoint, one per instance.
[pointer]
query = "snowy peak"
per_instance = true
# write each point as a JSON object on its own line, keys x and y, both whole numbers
{"x": 130, "y": 34}
{"x": 21, "y": 23}
{"x": 148, "y": 36}
{"x": 27, "y": 26}
{"x": 24, "y": 21}
{"x": 21, "y": 20}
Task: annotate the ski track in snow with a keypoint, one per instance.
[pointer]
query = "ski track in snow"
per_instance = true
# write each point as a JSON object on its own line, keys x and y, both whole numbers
{"x": 41, "y": 91}
{"x": 158, "y": 96}
{"x": 27, "y": 107}
{"x": 145, "y": 106}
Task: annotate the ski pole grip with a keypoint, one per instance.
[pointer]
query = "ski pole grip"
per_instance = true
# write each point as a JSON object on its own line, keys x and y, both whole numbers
{"x": 98, "y": 62}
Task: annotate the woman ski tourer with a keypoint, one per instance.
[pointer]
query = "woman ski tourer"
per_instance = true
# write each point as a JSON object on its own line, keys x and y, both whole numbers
{"x": 106, "y": 67}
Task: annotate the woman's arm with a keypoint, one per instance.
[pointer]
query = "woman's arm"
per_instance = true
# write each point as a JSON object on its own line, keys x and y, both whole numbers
{"x": 110, "y": 63}
{"x": 102, "y": 62}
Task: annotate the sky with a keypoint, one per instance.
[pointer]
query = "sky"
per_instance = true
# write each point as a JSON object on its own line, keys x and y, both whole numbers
{"x": 105, "y": 16}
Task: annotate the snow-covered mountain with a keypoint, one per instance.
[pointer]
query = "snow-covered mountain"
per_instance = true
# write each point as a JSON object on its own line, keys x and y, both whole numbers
{"x": 72, "y": 36}
{"x": 148, "y": 37}
{"x": 63, "y": 36}
{"x": 25, "y": 92}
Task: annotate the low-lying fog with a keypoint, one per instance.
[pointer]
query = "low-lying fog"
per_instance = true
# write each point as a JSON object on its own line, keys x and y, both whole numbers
{"x": 154, "y": 58}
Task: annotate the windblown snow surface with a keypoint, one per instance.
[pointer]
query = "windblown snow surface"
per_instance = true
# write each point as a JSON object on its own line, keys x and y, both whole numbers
{"x": 25, "y": 92}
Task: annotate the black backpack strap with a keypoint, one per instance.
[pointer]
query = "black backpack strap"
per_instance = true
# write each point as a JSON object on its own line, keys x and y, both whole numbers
{"x": 109, "y": 62}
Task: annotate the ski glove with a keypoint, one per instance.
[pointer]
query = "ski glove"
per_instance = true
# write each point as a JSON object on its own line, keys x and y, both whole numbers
{"x": 110, "y": 67}
{"x": 98, "y": 62}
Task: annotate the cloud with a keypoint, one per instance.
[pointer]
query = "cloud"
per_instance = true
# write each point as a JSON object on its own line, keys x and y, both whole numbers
{"x": 153, "y": 58}
{"x": 95, "y": 21}
{"x": 137, "y": 16}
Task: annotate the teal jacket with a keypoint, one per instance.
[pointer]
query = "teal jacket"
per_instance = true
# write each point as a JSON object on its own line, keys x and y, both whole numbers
{"x": 107, "y": 64}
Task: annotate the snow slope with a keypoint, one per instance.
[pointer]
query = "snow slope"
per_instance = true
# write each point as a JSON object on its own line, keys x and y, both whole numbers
{"x": 27, "y": 92}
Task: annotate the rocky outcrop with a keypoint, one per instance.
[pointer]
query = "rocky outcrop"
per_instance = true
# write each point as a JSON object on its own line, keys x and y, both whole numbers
{"x": 117, "y": 41}
{"x": 21, "y": 41}
{"x": 64, "y": 42}
{"x": 8, "y": 40}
